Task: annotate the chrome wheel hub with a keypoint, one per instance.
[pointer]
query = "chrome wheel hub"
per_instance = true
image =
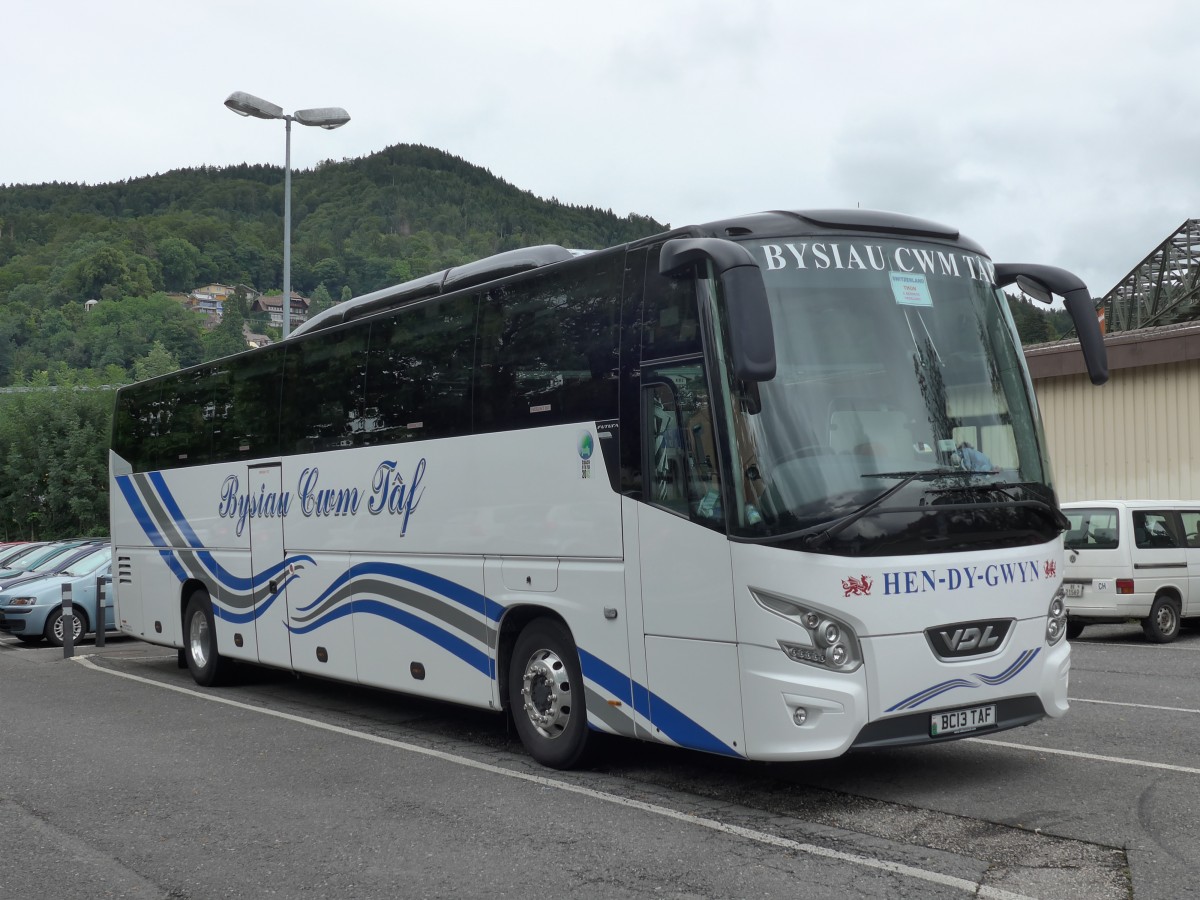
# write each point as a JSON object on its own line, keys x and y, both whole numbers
{"x": 198, "y": 640}
{"x": 546, "y": 693}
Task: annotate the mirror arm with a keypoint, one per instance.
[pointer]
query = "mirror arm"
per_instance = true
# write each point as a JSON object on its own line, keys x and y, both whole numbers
{"x": 751, "y": 335}
{"x": 1078, "y": 302}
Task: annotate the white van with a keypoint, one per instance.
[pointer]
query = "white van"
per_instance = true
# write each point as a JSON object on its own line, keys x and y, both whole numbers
{"x": 1132, "y": 559}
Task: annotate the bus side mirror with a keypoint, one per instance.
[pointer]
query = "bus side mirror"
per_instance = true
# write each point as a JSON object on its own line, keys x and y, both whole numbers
{"x": 751, "y": 336}
{"x": 1040, "y": 282}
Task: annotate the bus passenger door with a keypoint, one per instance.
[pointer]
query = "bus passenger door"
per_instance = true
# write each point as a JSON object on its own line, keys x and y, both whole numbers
{"x": 692, "y": 669}
{"x": 266, "y": 553}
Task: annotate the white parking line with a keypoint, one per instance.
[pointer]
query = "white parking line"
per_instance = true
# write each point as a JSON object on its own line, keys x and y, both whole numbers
{"x": 1141, "y": 763}
{"x": 761, "y": 837}
{"x": 1136, "y": 705}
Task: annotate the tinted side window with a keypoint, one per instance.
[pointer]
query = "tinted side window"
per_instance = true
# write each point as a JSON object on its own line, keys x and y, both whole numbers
{"x": 419, "y": 372}
{"x": 246, "y": 405}
{"x": 672, "y": 315}
{"x": 548, "y": 348}
{"x": 135, "y": 425}
{"x": 322, "y": 390}
{"x": 186, "y": 420}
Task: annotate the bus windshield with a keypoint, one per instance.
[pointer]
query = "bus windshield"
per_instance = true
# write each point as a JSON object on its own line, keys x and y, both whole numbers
{"x": 898, "y": 370}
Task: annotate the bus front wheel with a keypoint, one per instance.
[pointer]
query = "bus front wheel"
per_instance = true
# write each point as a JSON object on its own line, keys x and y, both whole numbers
{"x": 207, "y": 666}
{"x": 545, "y": 694}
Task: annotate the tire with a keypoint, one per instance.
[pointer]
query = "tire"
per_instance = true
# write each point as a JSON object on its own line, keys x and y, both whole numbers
{"x": 206, "y": 664}
{"x": 1162, "y": 625}
{"x": 53, "y": 632}
{"x": 1075, "y": 628}
{"x": 545, "y": 694}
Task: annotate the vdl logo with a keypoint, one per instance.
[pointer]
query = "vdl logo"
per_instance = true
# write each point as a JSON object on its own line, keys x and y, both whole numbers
{"x": 968, "y": 638}
{"x": 586, "y": 446}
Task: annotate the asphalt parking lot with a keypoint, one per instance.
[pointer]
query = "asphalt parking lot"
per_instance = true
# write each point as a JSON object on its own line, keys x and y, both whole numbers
{"x": 1102, "y": 803}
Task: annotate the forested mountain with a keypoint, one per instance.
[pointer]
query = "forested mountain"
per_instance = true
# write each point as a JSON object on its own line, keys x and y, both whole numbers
{"x": 358, "y": 226}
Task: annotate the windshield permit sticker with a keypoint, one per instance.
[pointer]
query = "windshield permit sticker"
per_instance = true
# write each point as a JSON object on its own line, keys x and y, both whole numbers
{"x": 910, "y": 290}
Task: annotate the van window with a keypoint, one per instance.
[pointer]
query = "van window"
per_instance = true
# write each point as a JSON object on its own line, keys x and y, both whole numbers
{"x": 1154, "y": 530}
{"x": 1191, "y": 528}
{"x": 1092, "y": 529}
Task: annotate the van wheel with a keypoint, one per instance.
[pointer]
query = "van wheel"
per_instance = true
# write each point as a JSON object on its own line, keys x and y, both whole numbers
{"x": 1074, "y": 628}
{"x": 1162, "y": 625}
{"x": 545, "y": 695}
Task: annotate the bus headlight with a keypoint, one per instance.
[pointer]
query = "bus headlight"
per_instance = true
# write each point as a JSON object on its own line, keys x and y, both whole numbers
{"x": 826, "y": 641}
{"x": 1056, "y": 618}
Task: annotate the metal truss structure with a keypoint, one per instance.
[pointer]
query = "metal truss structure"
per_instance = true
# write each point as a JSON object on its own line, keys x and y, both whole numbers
{"x": 1163, "y": 289}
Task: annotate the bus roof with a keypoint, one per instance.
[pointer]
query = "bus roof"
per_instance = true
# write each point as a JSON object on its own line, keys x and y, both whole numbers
{"x": 512, "y": 262}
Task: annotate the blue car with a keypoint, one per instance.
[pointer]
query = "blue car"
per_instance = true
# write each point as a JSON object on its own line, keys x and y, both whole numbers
{"x": 31, "y": 609}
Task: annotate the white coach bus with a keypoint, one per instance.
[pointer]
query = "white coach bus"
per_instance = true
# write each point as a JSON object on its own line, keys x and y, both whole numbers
{"x": 773, "y": 487}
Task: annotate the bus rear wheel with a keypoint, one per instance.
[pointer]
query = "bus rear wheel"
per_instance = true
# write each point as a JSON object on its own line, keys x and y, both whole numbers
{"x": 545, "y": 694}
{"x": 207, "y": 666}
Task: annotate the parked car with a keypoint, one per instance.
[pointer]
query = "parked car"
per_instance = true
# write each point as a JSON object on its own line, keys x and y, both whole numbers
{"x": 1132, "y": 559}
{"x": 9, "y": 555}
{"x": 32, "y": 610}
{"x": 47, "y": 560}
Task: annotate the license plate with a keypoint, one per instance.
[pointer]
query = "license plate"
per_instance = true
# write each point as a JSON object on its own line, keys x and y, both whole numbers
{"x": 1073, "y": 590}
{"x": 957, "y": 721}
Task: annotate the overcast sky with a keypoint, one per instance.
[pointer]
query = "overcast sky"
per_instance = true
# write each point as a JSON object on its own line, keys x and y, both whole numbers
{"x": 1054, "y": 131}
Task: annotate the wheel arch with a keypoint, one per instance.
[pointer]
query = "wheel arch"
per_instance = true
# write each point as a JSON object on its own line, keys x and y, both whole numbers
{"x": 1170, "y": 590}
{"x": 512, "y": 623}
{"x": 186, "y": 589}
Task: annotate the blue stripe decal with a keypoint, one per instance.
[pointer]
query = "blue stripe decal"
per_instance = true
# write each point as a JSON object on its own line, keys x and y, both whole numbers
{"x": 615, "y": 682}
{"x": 674, "y": 724}
{"x": 473, "y": 657}
{"x": 173, "y": 510}
{"x": 922, "y": 697}
{"x": 684, "y": 731}
{"x": 125, "y": 483}
{"x": 173, "y": 565}
{"x": 220, "y": 575}
{"x": 451, "y": 590}
{"x": 251, "y": 615}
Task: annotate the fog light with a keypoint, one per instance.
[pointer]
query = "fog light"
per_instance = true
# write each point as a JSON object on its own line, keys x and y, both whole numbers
{"x": 838, "y": 655}
{"x": 800, "y": 716}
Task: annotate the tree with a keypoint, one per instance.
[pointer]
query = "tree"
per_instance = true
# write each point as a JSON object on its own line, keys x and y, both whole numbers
{"x": 180, "y": 263}
{"x": 228, "y": 337}
{"x": 159, "y": 361}
{"x": 321, "y": 300}
{"x": 56, "y": 482}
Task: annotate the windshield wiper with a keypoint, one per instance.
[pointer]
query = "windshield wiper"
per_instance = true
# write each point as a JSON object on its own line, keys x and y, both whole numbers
{"x": 819, "y": 536}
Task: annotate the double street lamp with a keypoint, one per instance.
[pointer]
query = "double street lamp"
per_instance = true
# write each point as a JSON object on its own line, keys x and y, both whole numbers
{"x": 327, "y": 117}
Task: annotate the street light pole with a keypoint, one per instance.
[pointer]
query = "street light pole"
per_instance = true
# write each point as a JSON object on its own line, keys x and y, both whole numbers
{"x": 327, "y": 117}
{"x": 287, "y": 227}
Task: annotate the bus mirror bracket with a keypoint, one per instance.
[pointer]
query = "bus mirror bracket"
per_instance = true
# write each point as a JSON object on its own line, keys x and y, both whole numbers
{"x": 1040, "y": 282}
{"x": 751, "y": 336}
